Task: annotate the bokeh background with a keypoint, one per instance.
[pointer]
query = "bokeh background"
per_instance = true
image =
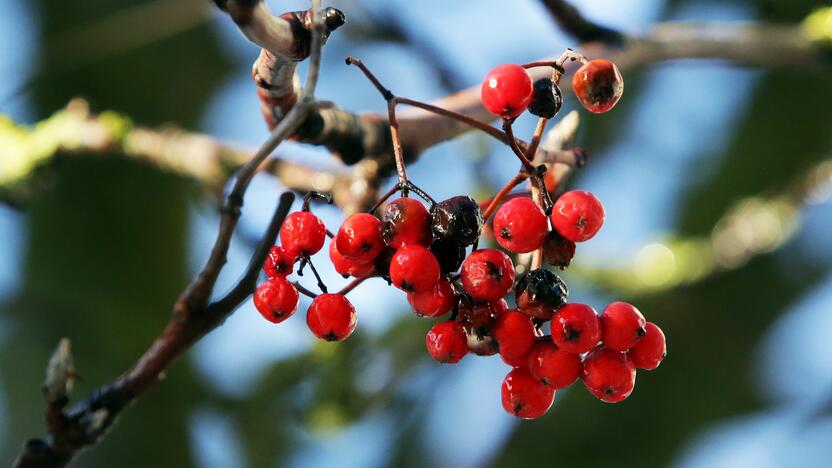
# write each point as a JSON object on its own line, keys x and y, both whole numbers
{"x": 716, "y": 180}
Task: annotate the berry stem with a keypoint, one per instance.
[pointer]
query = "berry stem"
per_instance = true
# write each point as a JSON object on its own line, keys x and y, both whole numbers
{"x": 512, "y": 143}
{"x": 498, "y": 198}
{"x": 321, "y": 284}
{"x": 301, "y": 289}
{"x": 310, "y": 195}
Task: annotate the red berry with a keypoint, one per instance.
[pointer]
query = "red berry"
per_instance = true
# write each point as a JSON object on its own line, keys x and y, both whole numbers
{"x": 577, "y": 215}
{"x": 608, "y": 375}
{"x": 558, "y": 250}
{"x": 519, "y": 361}
{"x": 651, "y": 350}
{"x": 359, "y": 238}
{"x": 414, "y": 269}
{"x": 507, "y": 90}
{"x": 276, "y": 299}
{"x": 576, "y": 328}
{"x": 347, "y": 266}
{"x": 302, "y": 234}
{"x": 406, "y": 221}
{"x": 331, "y": 317}
{"x": 446, "y": 342}
{"x": 623, "y": 326}
{"x": 525, "y": 397}
{"x": 598, "y": 85}
{"x": 278, "y": 263}
{"x": 520, "y": 225}
{"x": 552, "y": 366}
{"x": 487, "y": 275}
{"x": 514, "y": 334}
{"x": 434, "y": 302}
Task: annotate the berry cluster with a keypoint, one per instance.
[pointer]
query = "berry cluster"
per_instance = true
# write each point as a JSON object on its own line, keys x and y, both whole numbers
{"x": 432, "y": 254}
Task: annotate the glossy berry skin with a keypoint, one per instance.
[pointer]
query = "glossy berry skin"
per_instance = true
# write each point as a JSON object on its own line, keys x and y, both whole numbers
{"x": 623, "y": 326}
{"x": 576, "y": 328}
{"x": 524, "y": 396}
{"x": 506, "y": 90}
{"x": 608, "y": 375}
{"x": 449, "y": 255}
{"x": 435, "y": 302}
{"x": 406, "y": 221}
{"x": 347, "y": 266}
{"x": 413, "y": 268}
{"x": 276, "y": 299}
{"x": 457, "y": 220}
{"x": 487, "y": 275}
{"x": 331, "y": 317}
{"x": 514, "y": 334}
{"x": 302, "y": 234}
{"x": 518, "y": 361}
{"x": 478, "y": 319}
{"x": 278, "y": 263}
{"x": 558, "y": 251}
{"x": 598, "y": 85}
{"x": 520, "y": 226}
{"x": 651, "y": 350}
{"x": 359, "y": 238}
{"x": 539, "y": 293}
{"x": 446, "y": 342}
{"x": 552, "y": 366}
{"x": 578, "y": 215}
{"x": 547, "y": 99}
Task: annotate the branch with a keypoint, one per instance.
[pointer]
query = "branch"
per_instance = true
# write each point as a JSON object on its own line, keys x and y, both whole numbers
{"x": 576, "y": 25}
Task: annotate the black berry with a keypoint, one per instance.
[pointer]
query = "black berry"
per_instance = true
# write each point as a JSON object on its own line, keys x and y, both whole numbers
{"x": 458, "y": 220}
{"x": 547, "y": 99}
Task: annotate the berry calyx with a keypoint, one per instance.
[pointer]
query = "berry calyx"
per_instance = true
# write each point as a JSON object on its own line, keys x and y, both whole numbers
{"x": 359, "y": 238}
{"x": 514, "y": 333}
{"x": 539, "y": 293}
{"x": 487, "y": 275}
{"x": 276, "y": 299}
{"x": 547, "y": 99}
{"x": 506, "y": 90}
{"x": 598, "y": 85}
{"x": 405, "y": 221}
{"x": 331, "y": 317}
{"x": 608, "y": 375}
{"x": 457, "y": 220}
{"x": 524, "y": 396}
{"x": 576, "y": 328}
{"x": 623, "y": 326}
{"x": 434, "y": 302}
{"x": 414, "y": 269}
{"x": 578, "y": 215}
{"x": 552, "y": 366}
{"x": 651, "y": 350}
{"x": 347, "y": 266}
{"x": 446, "y": 342}
{"x": 302, "y": 234}
{"x": 520, "y": 226}
{"x": 278, "y": 263}
{"x": 558, "y": 250}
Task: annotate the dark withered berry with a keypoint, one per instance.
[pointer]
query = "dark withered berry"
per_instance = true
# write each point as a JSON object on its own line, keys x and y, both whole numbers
{"x": 478, "y": 319}
{"x": 449, "y": 254}
{"x": 539, "y": 293}
{"x": 558, "y": 250}
{"x": 457, "y": 219}
{"x": 382, "y": 262}
{"x": 547, "y": 99}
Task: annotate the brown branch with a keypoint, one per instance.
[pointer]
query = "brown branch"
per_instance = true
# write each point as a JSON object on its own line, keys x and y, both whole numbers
{"x": 576, "y": 25}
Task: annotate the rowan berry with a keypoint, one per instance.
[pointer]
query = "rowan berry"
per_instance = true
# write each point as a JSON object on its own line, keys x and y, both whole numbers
{"x": 651, "y": 350}
{"x": 552, "y": 366}
{"x": 524, "y": 396}
{"x": 449, "y": 254}
{"x": 414, "y": 269}
{"x": 598, "y": 85}
{"x": 276, "y": 299}
{"x": 622, "y": 325}
{"x": 359, "y": 237}
{"x": 278, "y": 263}
{"x": 608, "y": 375}
{"x": 514, "y": 333}
{"x": 487, "y": 275}
{"x": 331, "y": 317}
{"x": 520, "y": 226}
{"x": 302, "y": 234}
{"x": 576, "y": 328}
{"x": 558, "y": 250}
{"x": 406, "y": 221}
{"x": 433, "y": 302}
{"x": 457, "y": 220}
{"x": 546, "y": 99}
{"x": 539, "y": 293}
{"x": 446, "y": 342}
{"x": 507, "y": 90}
{"x": 577, "y": 215}
{"x": 347, "y": 266}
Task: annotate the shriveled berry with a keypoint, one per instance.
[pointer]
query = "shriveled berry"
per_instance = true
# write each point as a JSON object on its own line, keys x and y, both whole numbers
{"x": 578, "y": 215}
{"x": 507, "y": 90}
{"x": 576, "y": 328}
{"x": 547, "y": 98}
{"x": 276, "y": 299}
{"x": 331, "y": 317}
{"x": 520, "y": 226}
{"x": 278, "y": 263}
{"x": 539, "y": 293}
{"x": 435, "y": 302}
{"x": 608, "y": 375}
{"x": 514, "y": 334}
{"x": 359, "y": 238}
{"x": 478, "y": 319}
{"x": 347, "y": 266}
{"x": 487, "y": 275}
{"x": 302, "y": 234}
{"x": 406, "y": 221}
{"x": 414, "y": 269}
{"x": 449, "y": 254}
{"x": 558, "y": 250}
{"x": 651, "y": 350}
{"x": 622, "y": 325}
{"x": 524, "y": 396}
{"x": 446, "y": 342}
{"x": 457, "y": 220}
{"x": 552, "y": 366}
{"x": 598, "y": 85}
{"x": 382, "y": 262}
